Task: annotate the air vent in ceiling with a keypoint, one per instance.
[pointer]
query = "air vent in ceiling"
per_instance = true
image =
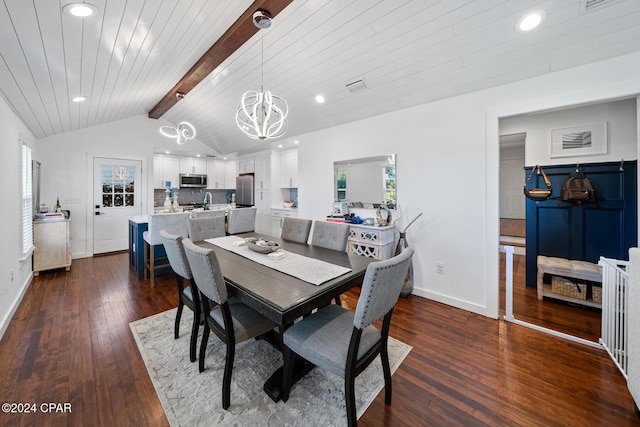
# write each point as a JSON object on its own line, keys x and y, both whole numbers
{"x": 589, "y": 5}
{"x": 357, "y": 85}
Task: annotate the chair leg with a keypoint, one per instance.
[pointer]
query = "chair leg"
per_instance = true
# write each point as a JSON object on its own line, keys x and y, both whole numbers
{"x": 176, "y": 327}
{"x": 337, "y": 300}
{"x": 203, "y": 346}
{"x": 350, "y": 397}
{"x": 287, "y": 372}
{"x": 145, "y": 260}
{"x": 226, "y": 381}
{"x": 194, "y": 334}
{"x": 384, "y": 357}
{"x": 152, "y": 261}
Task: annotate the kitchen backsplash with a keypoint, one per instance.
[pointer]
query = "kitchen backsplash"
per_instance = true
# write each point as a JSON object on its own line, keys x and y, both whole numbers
{"x": 187, "y": 196}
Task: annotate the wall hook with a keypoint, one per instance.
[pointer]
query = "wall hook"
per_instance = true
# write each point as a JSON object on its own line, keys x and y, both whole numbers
{"x": 621, "y": 165}
{"x": 578, "y": 167}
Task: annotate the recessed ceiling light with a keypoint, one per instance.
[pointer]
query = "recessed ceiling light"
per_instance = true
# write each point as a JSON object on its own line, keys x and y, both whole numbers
{"x": 296, "y": 142}
{"x": 530, "y": 20}
{"x": 167, "y": 152}
{"x": 197, "y": 155}
{"x": 81, "y": 10}
{"x": 279, "y": 145}
{"x": 78, "y": 99}
{"x": 319, "y": 99}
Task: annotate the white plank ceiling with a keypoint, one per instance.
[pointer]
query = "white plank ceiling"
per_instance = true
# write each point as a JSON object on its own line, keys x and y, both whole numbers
{"x": 129, "y": 55}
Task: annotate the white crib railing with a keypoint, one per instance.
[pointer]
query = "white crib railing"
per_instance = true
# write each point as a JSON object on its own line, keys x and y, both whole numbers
{"x": 614, "y": 310}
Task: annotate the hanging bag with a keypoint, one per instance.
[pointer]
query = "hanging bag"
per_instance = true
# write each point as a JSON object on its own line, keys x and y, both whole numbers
{"x": 538, "y": 194}
{"x": 578, "y": 189}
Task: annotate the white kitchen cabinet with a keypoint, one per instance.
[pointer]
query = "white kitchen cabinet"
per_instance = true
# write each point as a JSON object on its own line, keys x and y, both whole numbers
{"x": 193, "y": 165}
{"x": 277, "y": 218}
{"x": 52, "y": 242}
{"x": 263, "y": 172}
{"x": 246, "y": 166}
{"x": 166, "y": 168}
{"x": 289, "y": 169}
{"x": 231, "y": 172}
{"x": 263, "y": 214}
{"x": 221, "y": 174}
{"x": 216, "y": 174}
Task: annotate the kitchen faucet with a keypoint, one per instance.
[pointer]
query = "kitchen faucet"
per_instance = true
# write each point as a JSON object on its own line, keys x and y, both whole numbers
{"x": 206, "y": 206}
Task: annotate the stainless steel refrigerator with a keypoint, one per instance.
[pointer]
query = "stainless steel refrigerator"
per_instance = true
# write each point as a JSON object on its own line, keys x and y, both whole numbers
{"x": 244, "y": 190}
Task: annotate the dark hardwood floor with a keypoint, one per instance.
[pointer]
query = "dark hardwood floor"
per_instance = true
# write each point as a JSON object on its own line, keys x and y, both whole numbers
{"x": 70, "y": 342}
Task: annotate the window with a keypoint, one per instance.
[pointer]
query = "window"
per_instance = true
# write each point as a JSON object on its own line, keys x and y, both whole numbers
{"x": 27, "y": 201}
{"x": 118, "y": 186}
{"x": 389, "y": 173}
{"x": 341, "y": 177}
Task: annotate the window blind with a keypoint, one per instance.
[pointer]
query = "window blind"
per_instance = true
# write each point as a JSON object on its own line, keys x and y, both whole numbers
{"x": 27, "y": 202}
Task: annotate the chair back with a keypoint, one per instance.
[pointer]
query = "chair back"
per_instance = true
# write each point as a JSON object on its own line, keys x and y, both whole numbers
{"x": 206, "y": 227}
{"x": 296, "y": 229}
{"x": 330, "y": 235}
{"x": 202, "y": 214}
{"x": 241, "y": 220}
{"x": 206, "y": 272}
{"x": 174, "y": 223}
{"x": 381, "y": 288}
{"x": 175, "y": 252}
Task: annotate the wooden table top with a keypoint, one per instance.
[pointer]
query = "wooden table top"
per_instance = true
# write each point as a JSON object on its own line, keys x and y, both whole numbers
{"x": 279, "y": 296}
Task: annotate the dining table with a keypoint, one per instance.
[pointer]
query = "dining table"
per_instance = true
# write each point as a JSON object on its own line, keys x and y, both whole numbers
{"x": 282, "y": 297}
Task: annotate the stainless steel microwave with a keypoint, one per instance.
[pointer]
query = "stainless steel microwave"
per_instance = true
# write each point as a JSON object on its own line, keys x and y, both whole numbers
{"x": 191, "y": 180}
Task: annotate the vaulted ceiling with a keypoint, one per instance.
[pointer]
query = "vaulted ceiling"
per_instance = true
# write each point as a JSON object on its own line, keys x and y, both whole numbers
{"x": 131, "y": 55}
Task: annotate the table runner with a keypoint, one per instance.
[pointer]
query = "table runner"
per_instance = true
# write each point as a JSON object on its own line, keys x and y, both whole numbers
{"x": 310, "y": 270}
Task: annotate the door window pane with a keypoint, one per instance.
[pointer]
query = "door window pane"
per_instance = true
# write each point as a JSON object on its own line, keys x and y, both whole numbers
{"x": 118, "y": 186}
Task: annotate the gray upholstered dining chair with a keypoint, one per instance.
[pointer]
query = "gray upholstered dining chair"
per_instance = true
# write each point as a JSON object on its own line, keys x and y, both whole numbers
{"x": 330, "y": 235}
{"x": 241, "y": 220}
{"x": 174, "y": 223}
{"x": 345, "y": 343}
{"x": 230, "y": 319}
{"x": 296, "y": 229}
{"x": 187, "y": 295}
{"x": 206, "y": 228}
{"x": 202, "y": 214}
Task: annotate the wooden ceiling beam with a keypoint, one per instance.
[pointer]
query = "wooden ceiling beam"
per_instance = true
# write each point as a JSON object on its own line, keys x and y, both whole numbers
{"x": 237, "y": 35}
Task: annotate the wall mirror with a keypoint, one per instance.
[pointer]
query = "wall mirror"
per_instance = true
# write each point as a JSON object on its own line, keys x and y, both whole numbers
{"x": 366, "y": 182}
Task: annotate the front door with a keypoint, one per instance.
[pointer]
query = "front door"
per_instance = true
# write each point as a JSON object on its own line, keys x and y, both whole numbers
{"x": 117, "y": 196}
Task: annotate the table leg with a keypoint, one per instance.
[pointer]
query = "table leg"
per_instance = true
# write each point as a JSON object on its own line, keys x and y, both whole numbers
{"x": 273, "y": 386}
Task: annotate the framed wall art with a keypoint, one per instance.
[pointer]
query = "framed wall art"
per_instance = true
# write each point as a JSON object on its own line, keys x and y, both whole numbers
{"x": 585, "y": 140}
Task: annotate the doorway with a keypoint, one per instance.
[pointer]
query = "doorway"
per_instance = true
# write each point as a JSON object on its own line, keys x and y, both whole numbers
{"x": 570, "y": 319}
{"x": 117, "y": 196}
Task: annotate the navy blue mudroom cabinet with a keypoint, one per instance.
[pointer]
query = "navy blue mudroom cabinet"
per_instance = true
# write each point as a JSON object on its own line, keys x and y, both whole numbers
{"x": 583, "y": 232}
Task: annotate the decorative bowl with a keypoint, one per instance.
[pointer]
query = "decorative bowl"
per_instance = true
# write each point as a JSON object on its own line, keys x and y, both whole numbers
{"x": 288, "y": 203}
{"x": 261, "y": 246}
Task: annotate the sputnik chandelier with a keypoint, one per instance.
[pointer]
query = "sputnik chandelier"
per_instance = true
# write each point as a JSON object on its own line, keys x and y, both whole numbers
{"x": 182, "y": 133}
{"x": 262, "y": 115}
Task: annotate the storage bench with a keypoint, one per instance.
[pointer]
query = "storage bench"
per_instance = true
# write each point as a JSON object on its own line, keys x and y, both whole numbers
{"x": 572, "y": 269}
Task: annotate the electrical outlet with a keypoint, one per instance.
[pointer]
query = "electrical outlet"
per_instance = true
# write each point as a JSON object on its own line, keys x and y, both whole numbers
{"x": 440, "y": 267}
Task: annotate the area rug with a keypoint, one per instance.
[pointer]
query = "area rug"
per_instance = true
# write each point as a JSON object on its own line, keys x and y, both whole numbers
{"x": 190, "y": 398}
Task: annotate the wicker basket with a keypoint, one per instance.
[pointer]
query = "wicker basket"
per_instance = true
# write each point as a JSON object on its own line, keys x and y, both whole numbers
{"x": 596, "y": 294}
{"x": 565, "y": 287}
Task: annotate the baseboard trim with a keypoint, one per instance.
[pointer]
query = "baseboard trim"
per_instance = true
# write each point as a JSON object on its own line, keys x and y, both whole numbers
{"x": 7, "y": 319}
{"x": 453, "y": 302}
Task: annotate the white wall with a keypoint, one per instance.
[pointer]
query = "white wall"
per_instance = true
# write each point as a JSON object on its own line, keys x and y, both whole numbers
{"x": 620, "y": 117}
{"x": 11, "y": 291}
{"x": 67, "y": 168}
{"x": 448, "y": 165}
{"x": 447, "y": 159}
